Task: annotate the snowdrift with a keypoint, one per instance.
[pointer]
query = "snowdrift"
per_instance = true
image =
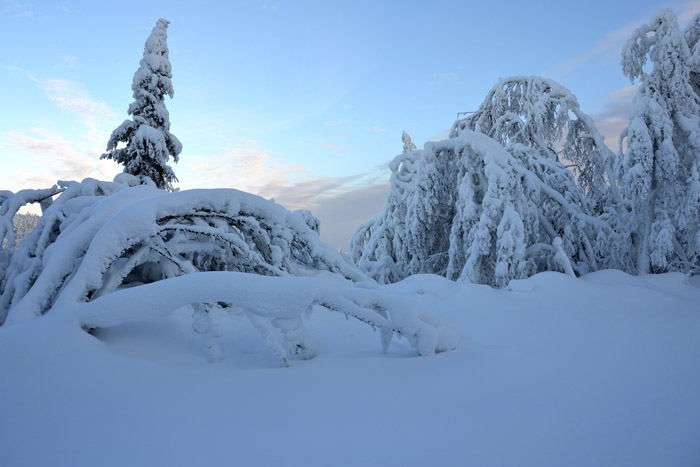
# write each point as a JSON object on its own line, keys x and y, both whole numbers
{"x": 552, "y": 371}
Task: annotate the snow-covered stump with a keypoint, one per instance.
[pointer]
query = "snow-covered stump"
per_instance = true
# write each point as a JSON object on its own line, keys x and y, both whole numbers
{"x": 276, "y": 316}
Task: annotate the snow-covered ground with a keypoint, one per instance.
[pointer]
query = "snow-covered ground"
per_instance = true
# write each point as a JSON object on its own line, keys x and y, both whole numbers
{"x": 552, "y": 371}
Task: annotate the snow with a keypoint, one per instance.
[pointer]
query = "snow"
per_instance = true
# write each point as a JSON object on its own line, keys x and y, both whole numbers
{"x": 599, "y": 370}
{"x": 143, "y": 325}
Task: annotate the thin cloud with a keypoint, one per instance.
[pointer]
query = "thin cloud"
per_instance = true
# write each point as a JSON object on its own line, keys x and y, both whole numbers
{"x": 342, "y": 213}
{"x": 613, "y": 41}
{"x": 67, "y": 61}
{"x": 444, "y": 134}
{"x": 319, "y": 143}
{"x": 378, "y": 129}
{"x": 58, "y": 157}
{"x": 447, "y": 77}
{"x": 244, "y": 168}
{"x": 72, "y": 98}
{"x": 688, "y": 11}
{"x": 610, "y": 43}
{"x": 615, "y": 115}
{"x": 333, "y": 147}
{"x": 336, "y": 123}
{"x": 341, "y": 202}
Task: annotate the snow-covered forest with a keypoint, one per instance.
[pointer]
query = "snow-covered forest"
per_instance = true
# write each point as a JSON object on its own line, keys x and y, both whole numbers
{"x": 552, "y": 279}
{"x": 526, "y": 184}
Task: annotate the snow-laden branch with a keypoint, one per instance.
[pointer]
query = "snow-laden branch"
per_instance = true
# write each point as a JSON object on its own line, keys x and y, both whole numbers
{"x": 10, "y": 203}
{"x": 275, "y": 302}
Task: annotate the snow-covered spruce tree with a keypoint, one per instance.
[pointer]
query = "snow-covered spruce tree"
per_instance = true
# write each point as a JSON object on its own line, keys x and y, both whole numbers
{"x": 149, "y": 143}
{"x": 494, "y": 202}
{"x": 380, "y": 246}
{"x": 408, "y": 145}
{"x": 660, "y": 170}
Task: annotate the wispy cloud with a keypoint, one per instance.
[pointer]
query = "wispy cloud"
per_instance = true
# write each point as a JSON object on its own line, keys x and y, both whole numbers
{"x": 58, "y": 158}
{"x": 333, "y": 147}
{"x": 612, "y": 43}
{"x": 342, "y": 213}
{"x": 378, "y": 129}
{"x": 336, "y": 123}
{"x": 341, "y": 202}
{"x": 55, "y": 156}
{"x": 72, "y": 98}
{"x": 446, "y": 77}
{"x": 18, "y": 9}
{"x": 688, "y": 11}
{"x": 444, "y": 134}
{"x": 615, "y": 115}
{"x": 245, "y": 168}
{"x": 250, "y": 169}
{"x": 321, "y": 144}
{"x": 67, "y": 61}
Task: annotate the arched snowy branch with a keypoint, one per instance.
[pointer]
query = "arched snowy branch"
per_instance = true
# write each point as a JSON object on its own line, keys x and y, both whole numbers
{"x": 250, "y": 295}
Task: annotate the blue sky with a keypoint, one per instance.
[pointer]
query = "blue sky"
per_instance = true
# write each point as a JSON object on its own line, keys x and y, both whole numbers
{"x": 301, "y": 101}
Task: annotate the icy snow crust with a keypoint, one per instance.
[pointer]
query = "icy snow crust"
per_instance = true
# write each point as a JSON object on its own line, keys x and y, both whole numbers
{"x": 553, "y": 370}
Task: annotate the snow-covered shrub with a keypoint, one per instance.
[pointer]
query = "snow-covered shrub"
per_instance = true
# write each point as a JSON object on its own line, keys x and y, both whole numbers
{"x": 99, "y": 236}
{"x": 149, "y": 143}
{"x": 487, "y": 204}
{"x": 660, "y": 171}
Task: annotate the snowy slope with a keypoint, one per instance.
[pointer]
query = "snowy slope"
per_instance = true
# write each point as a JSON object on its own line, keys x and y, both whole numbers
{"x": 552, "y": 371}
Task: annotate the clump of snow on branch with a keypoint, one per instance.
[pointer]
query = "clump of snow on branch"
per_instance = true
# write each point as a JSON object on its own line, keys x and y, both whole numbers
{"x": 660, "y": 171}
{"x": 487, "y": 204}
{"x": 149, "y": 143}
